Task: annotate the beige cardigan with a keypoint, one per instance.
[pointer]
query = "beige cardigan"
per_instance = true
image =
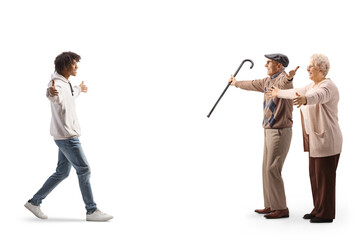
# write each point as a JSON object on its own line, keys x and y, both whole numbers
{"x": 325, "y": 138}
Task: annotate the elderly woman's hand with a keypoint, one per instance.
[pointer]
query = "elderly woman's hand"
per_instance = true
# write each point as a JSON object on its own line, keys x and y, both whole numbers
{"x": 272, "y": 92}
{"x": 299, "y": 100}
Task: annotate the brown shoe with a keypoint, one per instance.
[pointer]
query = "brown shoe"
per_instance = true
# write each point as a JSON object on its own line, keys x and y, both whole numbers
{"x": 282, "y": 213}
{"x": 263, "y": 211}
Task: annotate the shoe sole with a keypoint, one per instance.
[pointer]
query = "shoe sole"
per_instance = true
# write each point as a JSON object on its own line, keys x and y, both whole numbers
{"x": 321, "y": 221}
{"x": 98, "y": 220}
{"x": 264, "y": 212}
{"x": 286, "y": 216}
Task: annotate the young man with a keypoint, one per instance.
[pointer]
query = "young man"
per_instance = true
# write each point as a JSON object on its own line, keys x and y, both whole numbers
{"x": 65, "y": 129}
{"x": 277, "y": 125}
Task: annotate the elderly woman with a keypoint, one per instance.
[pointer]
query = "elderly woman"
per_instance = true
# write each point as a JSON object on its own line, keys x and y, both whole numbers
{"x": 321, "y": 133}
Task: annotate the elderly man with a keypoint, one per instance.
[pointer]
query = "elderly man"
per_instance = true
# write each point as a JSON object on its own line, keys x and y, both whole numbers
{"x": 277, "y": 125}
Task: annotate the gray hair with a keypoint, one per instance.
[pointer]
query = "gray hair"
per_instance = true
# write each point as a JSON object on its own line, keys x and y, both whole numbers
{"x": 322, "y": 62}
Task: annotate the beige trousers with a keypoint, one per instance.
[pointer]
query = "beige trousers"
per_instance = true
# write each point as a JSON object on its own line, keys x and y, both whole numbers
{"x": 276, "y": 147}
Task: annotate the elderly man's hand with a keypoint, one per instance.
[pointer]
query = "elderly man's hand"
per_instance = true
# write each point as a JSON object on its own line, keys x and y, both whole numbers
{"x": 299, "y": 100}
{"x": 232, "y": 79}
{"x": 292, "y": 73}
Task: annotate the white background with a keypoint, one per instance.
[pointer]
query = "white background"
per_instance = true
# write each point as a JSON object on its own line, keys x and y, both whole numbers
{"x": 154, "y": 70}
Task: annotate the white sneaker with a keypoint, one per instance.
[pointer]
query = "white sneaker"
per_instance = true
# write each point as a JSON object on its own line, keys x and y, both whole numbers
{"x": 98, "y": 216}
{"x": 35, "y": 210}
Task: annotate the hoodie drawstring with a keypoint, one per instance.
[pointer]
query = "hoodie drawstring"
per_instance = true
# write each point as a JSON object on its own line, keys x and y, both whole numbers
{"x": 72, "y": 91}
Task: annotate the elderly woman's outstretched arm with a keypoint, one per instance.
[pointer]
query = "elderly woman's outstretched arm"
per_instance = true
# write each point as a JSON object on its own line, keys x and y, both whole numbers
{"x": 321, "y": 95}
{"x": 288, "y": 93}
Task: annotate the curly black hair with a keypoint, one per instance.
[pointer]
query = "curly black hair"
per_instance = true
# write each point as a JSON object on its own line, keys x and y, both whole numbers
{"x": 63, "y": 60}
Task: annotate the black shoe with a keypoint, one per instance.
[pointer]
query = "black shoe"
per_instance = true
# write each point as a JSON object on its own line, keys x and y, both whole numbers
{"x": 320, "y": 220}
{"x": 308, "y": 216}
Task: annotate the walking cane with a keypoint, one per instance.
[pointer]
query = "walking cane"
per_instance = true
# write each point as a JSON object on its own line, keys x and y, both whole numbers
{"x": 246, "y": 60}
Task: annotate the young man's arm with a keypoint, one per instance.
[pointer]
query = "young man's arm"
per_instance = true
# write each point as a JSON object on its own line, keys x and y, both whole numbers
{"x": 80, "y": 88}
{"x": 53, "y": 93}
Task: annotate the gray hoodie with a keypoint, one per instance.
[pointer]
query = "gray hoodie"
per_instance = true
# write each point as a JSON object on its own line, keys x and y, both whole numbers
{"x": 64, "y": 121}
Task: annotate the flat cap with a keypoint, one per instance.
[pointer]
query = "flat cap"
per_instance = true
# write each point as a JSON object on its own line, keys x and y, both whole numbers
{"x": 280, "y": 58}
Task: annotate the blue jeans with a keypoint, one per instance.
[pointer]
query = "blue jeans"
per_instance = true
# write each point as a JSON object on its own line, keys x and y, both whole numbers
{"x": 70, "y": 154}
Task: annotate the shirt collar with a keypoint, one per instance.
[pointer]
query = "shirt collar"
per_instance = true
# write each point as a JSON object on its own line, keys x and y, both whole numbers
{"x": 276, "y": 74}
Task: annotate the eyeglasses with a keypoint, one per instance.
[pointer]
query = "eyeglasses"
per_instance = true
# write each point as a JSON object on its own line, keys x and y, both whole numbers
{"x": 310, "y": 66}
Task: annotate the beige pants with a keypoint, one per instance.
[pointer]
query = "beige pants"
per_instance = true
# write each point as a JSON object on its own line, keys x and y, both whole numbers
{"x": 276, "y": 147}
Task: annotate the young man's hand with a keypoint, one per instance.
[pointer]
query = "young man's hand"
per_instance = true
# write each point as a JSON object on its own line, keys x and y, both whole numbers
{"x": 52, "y": 89}
{"x": 83, "y": 87}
